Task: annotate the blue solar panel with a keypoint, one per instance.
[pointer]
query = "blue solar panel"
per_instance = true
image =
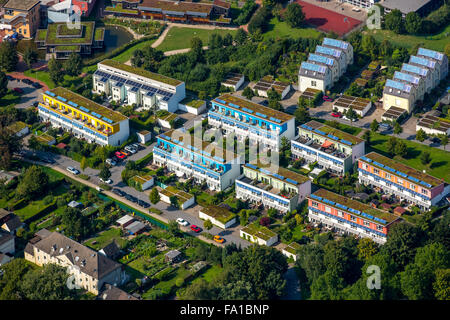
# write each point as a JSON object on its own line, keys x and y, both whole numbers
{"x": 335, "y": 43}
{"x": 319, "y": 132}
{"x": 422, "y": 61}
{"x": 220, "y": 101}
{"x": 346, "y": 142}
{"x": 73, "y": 104}
{"x": 328, "y": 51}
{"x": 406, "y": 77}
{"x": 291, "y": 181}
{"x": 233, "y": 105}
{"x": 251, "y": 166}
{"x": 61, "y": 98}
{"x": 321, "y": 59}
{"x": 398, "y": 85}
{"x": 313, "y": 67}
{"x": 414, "y": 69}
{"x": 430, "y": 53}
{"x": 278, "y": 176}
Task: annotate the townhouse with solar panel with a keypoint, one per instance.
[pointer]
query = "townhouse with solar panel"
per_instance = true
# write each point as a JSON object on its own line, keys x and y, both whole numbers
{"x": 248, "y": 119}
{"x": 130, "y": 85}
{"x": 393, "y": 177}
{"x": 277, "y": 188}
{"x": 421, "y": 75}
{"x": 324, "y": 67}
{"x": 84, "y": 118}
{"x": 205, "y": 162}
{"x": 349, "y": 216}
{"x": 332, "y": 149}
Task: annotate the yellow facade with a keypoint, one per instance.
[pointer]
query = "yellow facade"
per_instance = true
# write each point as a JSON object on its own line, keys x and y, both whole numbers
{"x": 395, "y": 101}
{"x": 24, "y": 22}
{"x": 73, "y": 113}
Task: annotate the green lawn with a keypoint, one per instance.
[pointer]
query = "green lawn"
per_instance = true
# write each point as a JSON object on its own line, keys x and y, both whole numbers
{"x": 30, "y": 210}
{"x": 10, "y": 98}
{"x": 126, "y": 55}
{"x": 180, "y": 38}
{"x": 211, "y": 273}
{"x": 435, "y": 42}
{"x": 105, "y": 238}
{"x": 440, "y": 159}
{"x": 280, "y": 29}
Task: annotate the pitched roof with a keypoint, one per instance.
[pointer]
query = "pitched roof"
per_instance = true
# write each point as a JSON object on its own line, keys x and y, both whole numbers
{"x": 23, "y": 5}
{"x": 5, "y": 237}
{"x": 89, "y": 261}
{"x": 110, "y": 292}
{"x": 111, "y": 250}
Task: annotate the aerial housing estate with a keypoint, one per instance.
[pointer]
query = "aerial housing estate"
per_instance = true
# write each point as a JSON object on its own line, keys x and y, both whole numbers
{"x": 20, "y": 16}
{"x": 393, "y": 177}
{"x": 135, "y": 86}
{"x": 90, "y": 269}
{"x": 83, "y": 117}
{"x": 248, "y": 119}
{"x": 350, "y": 216}
{"x": 422, "y": 74}
{"x": 276, "y": 187}
{"x": 324, "y": 67}
{"x": 332, "y": 149}
{"x": 205, "y": 162}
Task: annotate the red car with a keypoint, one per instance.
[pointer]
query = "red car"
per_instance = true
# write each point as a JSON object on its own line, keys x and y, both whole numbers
{"x": 196, "y": 228}
{"x": 336, "y": 114}
{"x": 18, "y": 90}
{"x": 120, "y": 155}
{"x": 327, "y": 98}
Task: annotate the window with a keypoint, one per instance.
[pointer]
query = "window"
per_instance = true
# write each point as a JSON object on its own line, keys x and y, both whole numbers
{"x": 315, "y": 204}
{"x": 388, "y": 176}
{"x": 314, "y": 83}
{"x": 399, "y": 181}
{"x": 365, "y": 166}
{"x": 367, "y": 223}
{"x": 352, "y": 218}
{"x": 424, "y": 191}
{"x": 412, "y": 186}
{"x": 328, "y": 209}
{"x": 376, "y": 171}
{"x": 379, "y": 228}
{"x": 340, "y": 214}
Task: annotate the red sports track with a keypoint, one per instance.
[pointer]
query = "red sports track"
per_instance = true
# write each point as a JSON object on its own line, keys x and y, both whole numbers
{"x": 327, "y": 20}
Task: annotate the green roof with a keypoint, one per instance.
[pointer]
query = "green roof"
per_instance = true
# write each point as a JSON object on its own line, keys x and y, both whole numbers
{"x": 119, "y": 8}
{"x": 259, "y": 231}
{"x": 189, "y": 101}
{"x": 385, "y": 161}
{"x": 353, "y": 204}
{"x": 45, "y": 138}
{"x": 99, "y": 34}
{"x": 41, "y": 34}
{"x": 141, "y": 72}
{"x": 142, "y": 179}
{"x": 172, "y": 191}
{"x": 293, "y": 247}
{"x": 68, "y": 48}
{"x": 333, "y": 131}
{"x": 17, "y": 126}
{"x": 219, "y": 213}
{"x": 55, "y": 29}
{"x": 89, "y": 104}
{"x": 286, "y": 173}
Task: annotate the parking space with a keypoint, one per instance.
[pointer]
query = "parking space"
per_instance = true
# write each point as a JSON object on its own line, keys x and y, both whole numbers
{"x": 28, "y": 93}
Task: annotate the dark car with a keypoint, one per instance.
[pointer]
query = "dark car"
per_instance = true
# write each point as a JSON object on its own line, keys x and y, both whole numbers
{"x": 35, "y": 104}
{"x": 37, "y": 85}
{"x": 27, "y": 81}
{"x": 48, "y": 160}
{"x": 131, "y": 198}
{"x": 118, "y": 192}
{"x": 10, "y": 78}
{"x": 143, "y": 204}
{"x": 18, "y": 90}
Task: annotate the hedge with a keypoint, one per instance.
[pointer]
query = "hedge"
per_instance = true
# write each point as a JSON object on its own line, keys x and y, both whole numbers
{"x": 19, "y": 204}
{"x": 41, "y": 213}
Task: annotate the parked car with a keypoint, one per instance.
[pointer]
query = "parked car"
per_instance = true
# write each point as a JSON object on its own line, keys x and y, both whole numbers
{"x": 196, "y": 228}
{"x": 182, "y": 222}
{"x": 37, "y": 85}
{"x": 130, "y": 149}
{"x": 327, "y": 98}
{"x": 107, "y": 181}
{"x": 111, "y": 162}
{"x": 73, "y": 170}
{"x": 143, "y": 204}
{"x": 27, "y": 81}
{"x": 336, "y": 114}
{"x": 118, "y": 192}
{"x": 385, "y": 126}
{"x": 18, "y": 90}
{"x": 125, "y": 152}
{"x": 120, "y": 155}
{"x": 48, "y": 160}
{"x": 219, "y": 239}
{"x": 131, "y": 198}
{"x": 137, "y": 146}
{"x": 10, "y": 78}
{"x": 35, "y": 104}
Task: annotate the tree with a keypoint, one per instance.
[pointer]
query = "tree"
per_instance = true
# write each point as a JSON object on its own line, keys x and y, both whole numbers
{"x": 33, "y": 184}
{"x": 421, "y": 135}
{"x": 154, "y": 196}
{"x": 13, "y": 273}
{"x": 397, "y": 128}
{"x": 390, "y": 145}
{"x": 3, "y": 84}
{"x": 240, "y": 36}
{"x": 366, "y": 136}
{"x": 394, "y": 21}
{"x": 105, "y": 173}
{"x": 48, "y": 283}
{"x": 413, "y": 23}
{"x": 174, "y": 228}
{"x": 55, "y": 71}
{"x": 9, "y": 144}
{"x": 351, "y": 114}
{"x": 83, "y": 163}
{"x": 369, "y": 46}
{"x": 444, "y": 140}
{"x": 366, "y": 249}
{"x": 302, "y": 115}
{"x": 76, "y": 223}
{"x": 73, "y": 65}
{"x": 174, "y": 202}
{"x": 294, "y": 15}
{"x": 208, "y": 224}
{"x": 30, "y": 56}
{"x": 8, "y": 56}
{"x": 196, "y": 49}
{"x": 374, "y": 125}
{"x": 401, "y": 149}
{"x": 441, "y": 286}
{"x": 401, "y": 244}
{"x": 425, "y": 157}
{"x": 248, "y": 93}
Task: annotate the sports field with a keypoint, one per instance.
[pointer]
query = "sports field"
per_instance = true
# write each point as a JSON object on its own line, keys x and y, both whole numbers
{"x": 327, "y": 20}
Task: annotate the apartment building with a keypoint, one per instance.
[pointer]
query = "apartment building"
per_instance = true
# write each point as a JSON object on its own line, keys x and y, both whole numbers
{"x": 21, "y": 16}
{"x": 365, "y": 4}
{"x": 413, "y": 80}
{"x": 205, "y": 162}
{"x": 84, "y": 118}
{"x": 421, "y": 7}
{"x": 399, "y": 94}
{"x": 350, "y": 216}
{"x": 247, "y": 119}
{"x": 135, "y": 86}
{"x": 393, "y": 177}
{"x": 424, "y": 73}
{"x": 89, "y": 269}
{"x": 439, "y": 58}
{"x": 326, "y": 65}
{"x": 277, "y": 188}
{"x": 428, "y": 64}
{"x": 332, "y": 149}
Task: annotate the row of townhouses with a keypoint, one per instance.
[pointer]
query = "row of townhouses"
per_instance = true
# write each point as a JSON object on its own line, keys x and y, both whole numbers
{"x": 324, "y": 67}
{"x": 420, "y": 75}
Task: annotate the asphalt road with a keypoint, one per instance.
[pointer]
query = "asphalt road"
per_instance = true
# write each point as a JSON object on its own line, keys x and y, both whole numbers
{"x": 30, "y": 95}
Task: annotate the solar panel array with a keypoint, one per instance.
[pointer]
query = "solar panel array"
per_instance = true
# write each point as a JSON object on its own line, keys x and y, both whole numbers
{"x": 321, "y": 59}
{"x": 430, "y": 53}
{"x": 422, "y": 61}
{"x": 398, "y": 85}
{"x": 328, "y": 51}
{"x": 414, "y": 69}
{"x": 313, "y": 67}
{"x": 406, "y": 77}
{"x": 335, "y": 43}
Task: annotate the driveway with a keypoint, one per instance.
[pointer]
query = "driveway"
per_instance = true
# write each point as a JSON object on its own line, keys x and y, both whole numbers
{"x": 30, "y": 95}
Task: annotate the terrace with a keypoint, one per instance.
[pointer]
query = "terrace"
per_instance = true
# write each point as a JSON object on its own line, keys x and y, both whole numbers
{"x": 326, "y": 147}
{"x": 268, "y": 187}
{"x": 406, "y": 172}
{"x": 268, "y": 82}
{"x": 436, "y": 123}
{"x": 340, "y": 201}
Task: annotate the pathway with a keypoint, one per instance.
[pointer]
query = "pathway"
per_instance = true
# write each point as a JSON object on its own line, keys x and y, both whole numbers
{"x": 292, "y": 284}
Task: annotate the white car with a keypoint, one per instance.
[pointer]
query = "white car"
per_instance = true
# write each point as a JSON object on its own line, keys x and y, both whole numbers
{"x": 111, "y": 162}
{"x": 73, "y": 170}
{"x": 182, "y": 222}
{"x": 108, "y": 181}
{"x": 130, "y": 149}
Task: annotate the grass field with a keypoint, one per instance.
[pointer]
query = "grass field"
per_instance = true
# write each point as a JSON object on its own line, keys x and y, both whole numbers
{"x": 180, "y": 38}
{"x": 126, "y": 55}
{"x": 105, "y": 238}
{"x": 9, "y": 99}
{"x": 435, "y": 42}
{"x": 440, "y": 159}
{"x": 280, "y": 29}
